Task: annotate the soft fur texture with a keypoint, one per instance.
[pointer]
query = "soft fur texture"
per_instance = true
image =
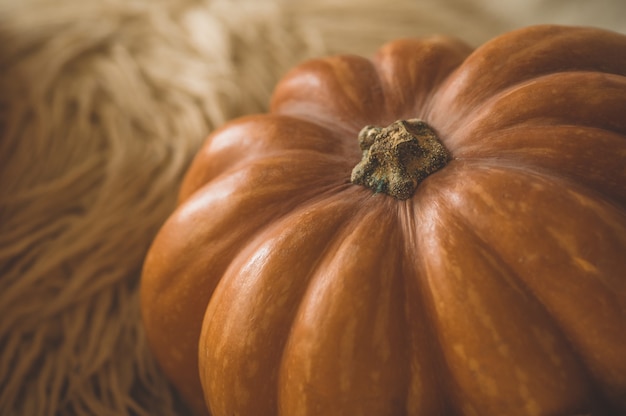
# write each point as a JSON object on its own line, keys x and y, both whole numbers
{"x": 102, "y": 105}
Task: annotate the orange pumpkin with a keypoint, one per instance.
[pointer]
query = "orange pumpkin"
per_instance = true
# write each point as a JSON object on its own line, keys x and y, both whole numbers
{"x": 435, "y": 231}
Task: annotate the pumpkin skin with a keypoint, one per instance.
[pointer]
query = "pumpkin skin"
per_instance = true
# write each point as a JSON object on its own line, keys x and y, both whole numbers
{"x": 278, "y": 287}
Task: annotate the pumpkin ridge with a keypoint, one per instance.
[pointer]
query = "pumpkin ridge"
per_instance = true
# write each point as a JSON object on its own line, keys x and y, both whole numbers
{"x": 527, "y": 53}
{"x": 579, "y": 89}
{"x": 305, "y": 347}
{"x": 551, "y": 174}
{"x": 606, "y": 285}
{"x": 539, "y": 311}
{"x": 415, "y": 80}
{"x": 182, "y": 219}
{"x": 341, "y": 137}
{"x": 231, "y": 153}
{"x": 419, "y": 322}
{"x": 599, "y": 400}
{"x": 323, "y": 91}
{"x": 231, "y": 285}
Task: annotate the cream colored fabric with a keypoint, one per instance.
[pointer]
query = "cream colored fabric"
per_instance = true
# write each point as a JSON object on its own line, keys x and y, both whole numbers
{"x": 102, "y": 105}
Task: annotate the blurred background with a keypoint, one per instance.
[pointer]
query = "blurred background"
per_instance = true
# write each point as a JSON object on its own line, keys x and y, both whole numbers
{"x": 102, "y": 106}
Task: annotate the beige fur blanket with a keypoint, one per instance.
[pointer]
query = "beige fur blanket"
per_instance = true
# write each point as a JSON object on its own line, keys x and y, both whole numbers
{"x": 102, "y": 105}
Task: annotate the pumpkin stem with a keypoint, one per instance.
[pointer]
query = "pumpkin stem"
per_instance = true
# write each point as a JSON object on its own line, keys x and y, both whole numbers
{"x": 398, "y": 157}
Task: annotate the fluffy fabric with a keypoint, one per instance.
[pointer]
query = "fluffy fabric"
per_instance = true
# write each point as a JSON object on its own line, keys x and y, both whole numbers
{"x": 102, "y": 105}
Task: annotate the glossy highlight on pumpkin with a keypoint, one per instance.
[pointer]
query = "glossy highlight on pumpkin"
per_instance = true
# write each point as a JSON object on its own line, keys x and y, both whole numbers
{"x": 278, "y": 287}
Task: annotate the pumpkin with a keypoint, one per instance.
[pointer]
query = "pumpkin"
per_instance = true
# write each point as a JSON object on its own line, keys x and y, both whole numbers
{"x": 435, "y": 231}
